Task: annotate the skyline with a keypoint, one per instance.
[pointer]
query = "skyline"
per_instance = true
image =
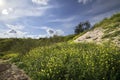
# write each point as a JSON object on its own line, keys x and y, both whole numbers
{"x": 44, "y": 18}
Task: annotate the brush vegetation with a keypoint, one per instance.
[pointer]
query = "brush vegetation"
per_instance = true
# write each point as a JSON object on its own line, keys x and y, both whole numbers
{"x": 59, "y": 58}
{"x": 111, "y": 26}
{"x": 64, "y": 61}
{"x": 23, "y": 46}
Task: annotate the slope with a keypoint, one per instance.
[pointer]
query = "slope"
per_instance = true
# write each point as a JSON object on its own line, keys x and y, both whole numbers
{"x": 106, "y": 30}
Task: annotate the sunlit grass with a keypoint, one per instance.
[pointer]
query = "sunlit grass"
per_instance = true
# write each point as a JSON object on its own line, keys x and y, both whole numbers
{"x": 84, "y": 61}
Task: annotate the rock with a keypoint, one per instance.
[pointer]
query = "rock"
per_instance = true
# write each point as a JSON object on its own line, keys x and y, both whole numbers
{"x": 11, "y": 72}
{"x": 4, "y": 67}
{"x": 91, "y": 36}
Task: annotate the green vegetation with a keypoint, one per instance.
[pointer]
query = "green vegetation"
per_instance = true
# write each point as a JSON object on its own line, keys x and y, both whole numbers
{"x": 9, "y": 56}
{"x": 66, "y": 61}
{"x": 110, "y": 25}
{"x": 111, "y": 35}
{"x": 82, "y": 26}
{"x": 58, "y": 58}
{"x": 23, "y": 46}
{"x": 109, "y": 22}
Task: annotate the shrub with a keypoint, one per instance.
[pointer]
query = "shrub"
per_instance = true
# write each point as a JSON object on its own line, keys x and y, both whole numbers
{"x": 65, "y": 61}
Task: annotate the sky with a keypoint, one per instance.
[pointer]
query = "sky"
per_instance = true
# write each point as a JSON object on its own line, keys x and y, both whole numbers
{"x": 45, "y": 18}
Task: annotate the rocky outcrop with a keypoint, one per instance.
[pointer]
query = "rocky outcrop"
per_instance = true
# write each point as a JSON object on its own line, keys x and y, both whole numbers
{"x": 11, "y": 72}
{"x": 96, "y": 35}
{"x": 91, "y": 36}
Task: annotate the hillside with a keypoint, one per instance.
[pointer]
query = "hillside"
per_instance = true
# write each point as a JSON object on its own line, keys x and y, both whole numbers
{"x": 65, "y": 61}
{"x": 77, "y": 61}
{"x": 22, "y": 46}
{"x": 106, "y": 30}
{"x": 63, "y": 58}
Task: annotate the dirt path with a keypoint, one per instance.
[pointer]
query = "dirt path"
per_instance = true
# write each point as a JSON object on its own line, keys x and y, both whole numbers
{"x": 11, "y": 72}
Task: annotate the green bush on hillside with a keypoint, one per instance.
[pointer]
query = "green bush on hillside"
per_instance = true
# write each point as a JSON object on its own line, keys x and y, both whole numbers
{"x": 23, "y": 46}
{"x": 65, "y": 61}
{"x": 5, "y": 45}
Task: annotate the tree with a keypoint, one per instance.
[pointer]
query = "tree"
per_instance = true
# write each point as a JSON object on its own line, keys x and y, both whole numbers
{"x": 87, "y": 25}
{"x": 82, "y": 26}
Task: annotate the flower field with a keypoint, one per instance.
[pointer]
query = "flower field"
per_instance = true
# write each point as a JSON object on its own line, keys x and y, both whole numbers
{"x": 65, "y": 61}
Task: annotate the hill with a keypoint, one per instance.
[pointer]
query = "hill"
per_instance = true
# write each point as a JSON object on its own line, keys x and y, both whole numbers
{"x": 106, "y": 30}
{"x": 61, "y": 58}
{"x": 22, "y": 46}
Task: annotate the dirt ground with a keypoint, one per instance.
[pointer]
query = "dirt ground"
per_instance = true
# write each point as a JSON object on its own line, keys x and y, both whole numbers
{"x": 11, "y": 72}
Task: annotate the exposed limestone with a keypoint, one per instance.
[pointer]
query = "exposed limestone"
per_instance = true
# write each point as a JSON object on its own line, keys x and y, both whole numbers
{"x": 96, "y": 36}
{"x": 11, "y": 72}
{"x": 91, "y": 36}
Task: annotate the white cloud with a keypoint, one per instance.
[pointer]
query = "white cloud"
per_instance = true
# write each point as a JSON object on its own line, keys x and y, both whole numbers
{"x": 17, "y": 13}
{"x": 84, "y": 1}
{"x": 59, "y": 32}
{"x": 13, "y": 31}
{"x": 69, "y": 19}
{"x": 36, "y": 36}
{"x": 20, "y": 34}
{"x": 7, "y": 34}
{"x": 5, "y": 12}
{"x": 49, "y": 31}
{"x": 16, "y": 31}
{"x": 52, "y": 32}
{"x": 14, "y": 9}
{"x": 41, "y": 2}
{"x": 15, "y": 27}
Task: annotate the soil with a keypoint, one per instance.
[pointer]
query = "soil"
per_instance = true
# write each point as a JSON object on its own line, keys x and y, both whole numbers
{"x": 11, "y": 72}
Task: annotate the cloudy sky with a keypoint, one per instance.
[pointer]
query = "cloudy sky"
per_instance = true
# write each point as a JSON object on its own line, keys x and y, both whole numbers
{"x": 43, "y": 18}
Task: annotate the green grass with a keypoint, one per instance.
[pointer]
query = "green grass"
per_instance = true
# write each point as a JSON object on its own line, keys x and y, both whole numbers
{"x": 9, "y": 56}
{"x": 111, "y": 35}
{"x": 23, "y": 46}
{"x": 58, "y": 58}
{"x": 64, "y": 61}
{"x": 112, "y": 27}
{"x": 115, "y": 19}
{"x": 109, "y": 25}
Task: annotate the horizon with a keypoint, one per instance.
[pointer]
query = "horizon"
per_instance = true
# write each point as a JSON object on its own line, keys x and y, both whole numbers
{"x": 45, "y": 18}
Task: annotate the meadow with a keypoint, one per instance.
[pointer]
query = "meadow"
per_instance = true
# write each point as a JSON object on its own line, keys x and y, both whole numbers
{"x": 71, "y": 61}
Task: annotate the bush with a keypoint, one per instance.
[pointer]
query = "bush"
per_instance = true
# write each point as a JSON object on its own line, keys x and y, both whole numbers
{"x": 65, "y": 61}
{"x": 9, "y": 56}
{"x": 82, "y": 26}
{"x": 23, "y": 46}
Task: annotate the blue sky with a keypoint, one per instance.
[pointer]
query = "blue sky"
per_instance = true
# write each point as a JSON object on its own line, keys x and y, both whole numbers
{"x": 44, "y": 18}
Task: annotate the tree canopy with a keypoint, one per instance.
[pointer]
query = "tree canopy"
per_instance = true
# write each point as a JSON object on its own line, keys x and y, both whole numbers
{"x": 82, "y": 26}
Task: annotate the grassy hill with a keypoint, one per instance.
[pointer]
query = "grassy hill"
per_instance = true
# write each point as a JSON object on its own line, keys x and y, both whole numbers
{"x": 106, "y": 30}
{"x": 64, "y": 61}
{"x": 13, "y": 46}
{"x": 60, "y": 58}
